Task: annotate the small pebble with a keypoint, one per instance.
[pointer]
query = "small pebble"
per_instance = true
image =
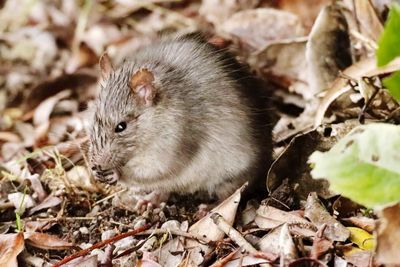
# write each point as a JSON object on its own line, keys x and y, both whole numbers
{"x": 139, "y": 223}
{"x": 108, "y": 234}
{"x": 84, "y": 230}
{"x": 125, "y": 243}
{"x": 171, "y": 225}
{"x": 149, "y": 244}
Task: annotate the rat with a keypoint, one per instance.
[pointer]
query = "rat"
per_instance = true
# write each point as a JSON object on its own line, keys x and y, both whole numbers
{"x": 180, "y": 115}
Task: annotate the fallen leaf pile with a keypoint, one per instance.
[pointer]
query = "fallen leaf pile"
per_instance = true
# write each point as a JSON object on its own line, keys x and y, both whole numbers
{"x": 333, "y": 71}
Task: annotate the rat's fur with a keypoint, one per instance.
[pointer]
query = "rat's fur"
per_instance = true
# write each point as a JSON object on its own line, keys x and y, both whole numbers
{"x": 207, "y": 128}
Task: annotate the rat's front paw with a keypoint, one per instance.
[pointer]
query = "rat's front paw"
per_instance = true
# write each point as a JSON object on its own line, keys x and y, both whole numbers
{"x": 139, "y": 201}
{"x": 109, "y": 176}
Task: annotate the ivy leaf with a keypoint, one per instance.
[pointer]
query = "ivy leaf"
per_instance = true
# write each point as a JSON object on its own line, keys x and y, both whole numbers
{"x": 392, "y": 83}
{"x": 389, "y": 43}
{"x": 364, "y": 165}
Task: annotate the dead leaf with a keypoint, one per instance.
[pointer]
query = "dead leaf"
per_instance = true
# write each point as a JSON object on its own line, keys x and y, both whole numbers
{"x": 78, "y": 83}
{"x": 270, "y": 242}
{"x": 256, "y": 28}
{"x": 10, "y": 247}
{"x": 226, "y": 8}
{"x": 17, "y": 198}
{"x": 87, "y": 261}
{"x": 364, "y": 68}
{"x": 367, "y": 18}
{"x": 49, "y": 202}
{"x": 288, "y": 250}
{"x": 321, "y": 245}
{"x": 362, "y": 238}
{"x": 227, "y": 209}
{"x": 246, "y": 260}
{"x": 368, "y": 224}
{"x": 328, "y": 49}
{"x": 269, "y": 217}
{"x": 284, "y": 62}
{"x": 307, "y": 11}
{"x": 46, "y": 241}
{"x": 43, "y": 111}
{"x": 9, "y": 137}
{"x": 358, "y": 257}
{"x": 317, "y": 214}
{"x": 388, "y": 236}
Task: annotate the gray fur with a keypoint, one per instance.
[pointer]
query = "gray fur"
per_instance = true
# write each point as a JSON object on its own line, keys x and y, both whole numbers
{"x": 200, "y": 133}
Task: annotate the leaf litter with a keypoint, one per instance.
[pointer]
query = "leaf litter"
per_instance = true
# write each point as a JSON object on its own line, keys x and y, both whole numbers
{"x": 319, "y": 61}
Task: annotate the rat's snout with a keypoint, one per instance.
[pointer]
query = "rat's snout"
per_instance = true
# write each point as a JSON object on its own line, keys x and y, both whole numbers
{"x": 108, "y": 176}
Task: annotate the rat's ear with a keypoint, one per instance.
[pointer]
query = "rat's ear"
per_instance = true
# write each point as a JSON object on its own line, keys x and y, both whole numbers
{"x": 142, "y": 86}
{"x": 106, "y": 66}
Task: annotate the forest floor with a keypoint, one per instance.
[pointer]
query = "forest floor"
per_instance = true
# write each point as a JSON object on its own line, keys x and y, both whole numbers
{"x": 325, "y": 82}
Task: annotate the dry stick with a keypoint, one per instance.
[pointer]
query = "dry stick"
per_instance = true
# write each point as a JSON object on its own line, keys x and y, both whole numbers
{"x": 232, "y": 233}
{"x": 222, "y": 262}
{"x": 201, "y": 239}
{"x": 100, "y": 244}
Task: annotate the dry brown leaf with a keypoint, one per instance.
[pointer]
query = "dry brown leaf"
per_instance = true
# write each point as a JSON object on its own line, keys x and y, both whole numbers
{"x": 269, "y": 217}
{"x": 284, "y": 62}
{"x": 78, "y": 83}
{"x": 9, "y": 137}
{"x": 256, "y": 28}
{"x": 270, "y": 242}
{"x": 340, "y": 86}
{"x": 328, "y": 48}
{"x": 10, "y": 246}
{"x": 43, "y": 111}
{"x": 49, "y": 202}
{"x": 246, "y": 260}
{"x": 388, "y": 236}
{"x": 358, "y": 257}
{"x": 364, "y": 68}
{"x": 321, "y": 245}
{"x": 46, "y": 241}
{"x": 296, "y": 156}
{"x": 288, "y": 250}
{"x": 369, "y": 22}
{"x": 306, "y": 10}
{"x": 87, "y": 261}
{"x": 317, "y": 214}
{"x": 227, "y": 209}
{"x": 226, "y": 8}
{"x": 368, "y": 224}
{"x": 37, "y": 187}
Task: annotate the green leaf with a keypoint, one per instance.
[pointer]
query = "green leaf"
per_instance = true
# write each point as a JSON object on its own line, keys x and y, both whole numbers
{"x": 389, "y": 42}
{"x": 364, "y": 165}
{"x": 392, "y": 83}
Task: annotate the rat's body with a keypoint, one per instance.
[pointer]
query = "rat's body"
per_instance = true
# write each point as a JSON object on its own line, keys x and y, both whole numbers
{"x": 180, "y": 116}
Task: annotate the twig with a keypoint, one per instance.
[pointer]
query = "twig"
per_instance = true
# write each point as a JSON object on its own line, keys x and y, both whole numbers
{"x": 130, "y": 250}
{"x": 110, "y": 196}
{"x": 201, "y": 239}
{"x": 226, "y": 259}
{"x": 368, "y": 42}
{"x": 232, "y": 233}
{"x": 101, "y": 244}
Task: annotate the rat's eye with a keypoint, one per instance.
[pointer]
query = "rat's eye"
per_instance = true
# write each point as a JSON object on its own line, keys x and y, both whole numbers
{"x": 120, "y": 127}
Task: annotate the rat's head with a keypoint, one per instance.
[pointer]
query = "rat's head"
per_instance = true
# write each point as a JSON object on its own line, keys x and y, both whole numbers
{"x": 120, "y": 117}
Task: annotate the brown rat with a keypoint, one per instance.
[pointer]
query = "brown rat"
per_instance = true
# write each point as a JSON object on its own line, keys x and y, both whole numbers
{"x": 180, "y": 116}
